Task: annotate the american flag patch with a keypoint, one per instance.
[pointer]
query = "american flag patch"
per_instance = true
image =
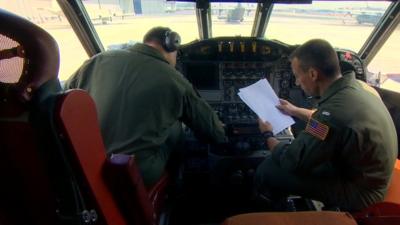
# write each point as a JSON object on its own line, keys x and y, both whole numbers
{"x": 317, "y": 129}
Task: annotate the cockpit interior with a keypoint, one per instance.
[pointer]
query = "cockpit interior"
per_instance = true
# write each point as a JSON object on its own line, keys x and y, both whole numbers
{"x": 54, "y": 169}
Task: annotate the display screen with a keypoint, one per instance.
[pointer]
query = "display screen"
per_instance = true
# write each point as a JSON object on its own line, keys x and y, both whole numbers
{"x": 203, "y": 76}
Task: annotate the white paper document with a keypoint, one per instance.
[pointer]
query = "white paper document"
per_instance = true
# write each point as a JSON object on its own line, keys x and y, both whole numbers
{"x": 261, "y": 98}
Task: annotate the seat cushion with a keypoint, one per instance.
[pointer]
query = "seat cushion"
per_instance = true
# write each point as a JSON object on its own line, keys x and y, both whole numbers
{"x": 393, "y": 193}
{"x": 292, "y": 218}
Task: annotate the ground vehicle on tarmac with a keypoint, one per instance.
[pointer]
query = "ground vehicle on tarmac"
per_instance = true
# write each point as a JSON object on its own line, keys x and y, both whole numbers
{"x": 217, "y": 57}
{"x": 368, "y": 18}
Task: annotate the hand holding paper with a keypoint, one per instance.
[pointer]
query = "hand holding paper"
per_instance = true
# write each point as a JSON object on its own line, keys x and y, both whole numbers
{"x": 261, "y": 98}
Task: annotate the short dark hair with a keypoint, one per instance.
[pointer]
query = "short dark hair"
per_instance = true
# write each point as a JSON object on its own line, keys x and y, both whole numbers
{"x": 319, "y": 54}
{"x": 156, "y": 34}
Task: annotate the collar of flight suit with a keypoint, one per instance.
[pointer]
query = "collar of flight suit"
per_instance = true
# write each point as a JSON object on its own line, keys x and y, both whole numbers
{"x": 346, "y": 80}
{"x": 148, "y": 50}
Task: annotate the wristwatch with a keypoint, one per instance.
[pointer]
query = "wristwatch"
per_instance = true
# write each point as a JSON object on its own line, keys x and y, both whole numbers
{"x": 268, "y": 134}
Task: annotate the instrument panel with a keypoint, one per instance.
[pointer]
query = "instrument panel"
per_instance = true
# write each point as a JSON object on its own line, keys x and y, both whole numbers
{"x": 218, "y": 68}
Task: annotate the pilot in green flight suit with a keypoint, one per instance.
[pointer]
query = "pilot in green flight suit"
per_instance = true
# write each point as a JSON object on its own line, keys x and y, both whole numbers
{"x": 346, "y": 154}
{"x": 141, "y": 101}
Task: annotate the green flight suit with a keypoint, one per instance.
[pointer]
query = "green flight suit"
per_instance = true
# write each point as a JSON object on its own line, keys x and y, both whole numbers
{"x": 352, "y": 165}
{"x": 141, "y": 101}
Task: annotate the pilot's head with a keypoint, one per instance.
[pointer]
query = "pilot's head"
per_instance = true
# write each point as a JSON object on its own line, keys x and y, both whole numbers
{"x": 165, "y": 40}
{"x": 315, "y": 66}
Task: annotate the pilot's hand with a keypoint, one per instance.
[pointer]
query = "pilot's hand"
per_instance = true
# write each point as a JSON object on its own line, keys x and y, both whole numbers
{"x": 287, "y": 107}
{"x": 264, "y": 126}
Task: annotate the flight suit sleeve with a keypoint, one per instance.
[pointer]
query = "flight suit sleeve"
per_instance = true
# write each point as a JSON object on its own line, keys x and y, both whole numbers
{"x": 308, "y": 152}
{"x": 201, "y": 118}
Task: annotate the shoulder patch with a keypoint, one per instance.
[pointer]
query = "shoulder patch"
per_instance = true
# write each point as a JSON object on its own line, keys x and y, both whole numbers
{"x": 317, "y": 129}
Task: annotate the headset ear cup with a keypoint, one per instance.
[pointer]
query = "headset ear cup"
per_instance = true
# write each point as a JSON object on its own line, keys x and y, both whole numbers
{"x": 172, "y": 41}
{"x": 166, "y": 40}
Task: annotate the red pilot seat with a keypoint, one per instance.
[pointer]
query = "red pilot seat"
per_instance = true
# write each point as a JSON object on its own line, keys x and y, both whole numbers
{"x": 115, "y": 184}
{"x": 53, "y": 165}
{"x": 29, "y": 63}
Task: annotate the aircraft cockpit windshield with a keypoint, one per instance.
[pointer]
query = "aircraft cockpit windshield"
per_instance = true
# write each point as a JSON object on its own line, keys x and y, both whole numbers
{"x": 113, "y": 24}
{"x": 338, "y": 22}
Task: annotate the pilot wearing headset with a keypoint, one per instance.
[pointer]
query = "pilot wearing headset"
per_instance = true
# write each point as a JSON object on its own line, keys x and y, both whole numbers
{"x": 142, "y": 101}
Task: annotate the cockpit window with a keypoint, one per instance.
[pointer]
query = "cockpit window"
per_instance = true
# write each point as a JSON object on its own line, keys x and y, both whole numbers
{"x": 344, "y": 24}
{"x": 232, "y": 19}
{"x": 122, "y": 23}
{"x": 384, "y": 69}
{"x": 49, "y": 16}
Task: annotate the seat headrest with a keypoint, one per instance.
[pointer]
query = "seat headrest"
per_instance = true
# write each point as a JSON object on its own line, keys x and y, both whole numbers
{"x": 28, "y": 56}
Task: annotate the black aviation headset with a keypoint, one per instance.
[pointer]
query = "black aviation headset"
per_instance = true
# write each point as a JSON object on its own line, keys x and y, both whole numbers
{"x": 171, "y": 41}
